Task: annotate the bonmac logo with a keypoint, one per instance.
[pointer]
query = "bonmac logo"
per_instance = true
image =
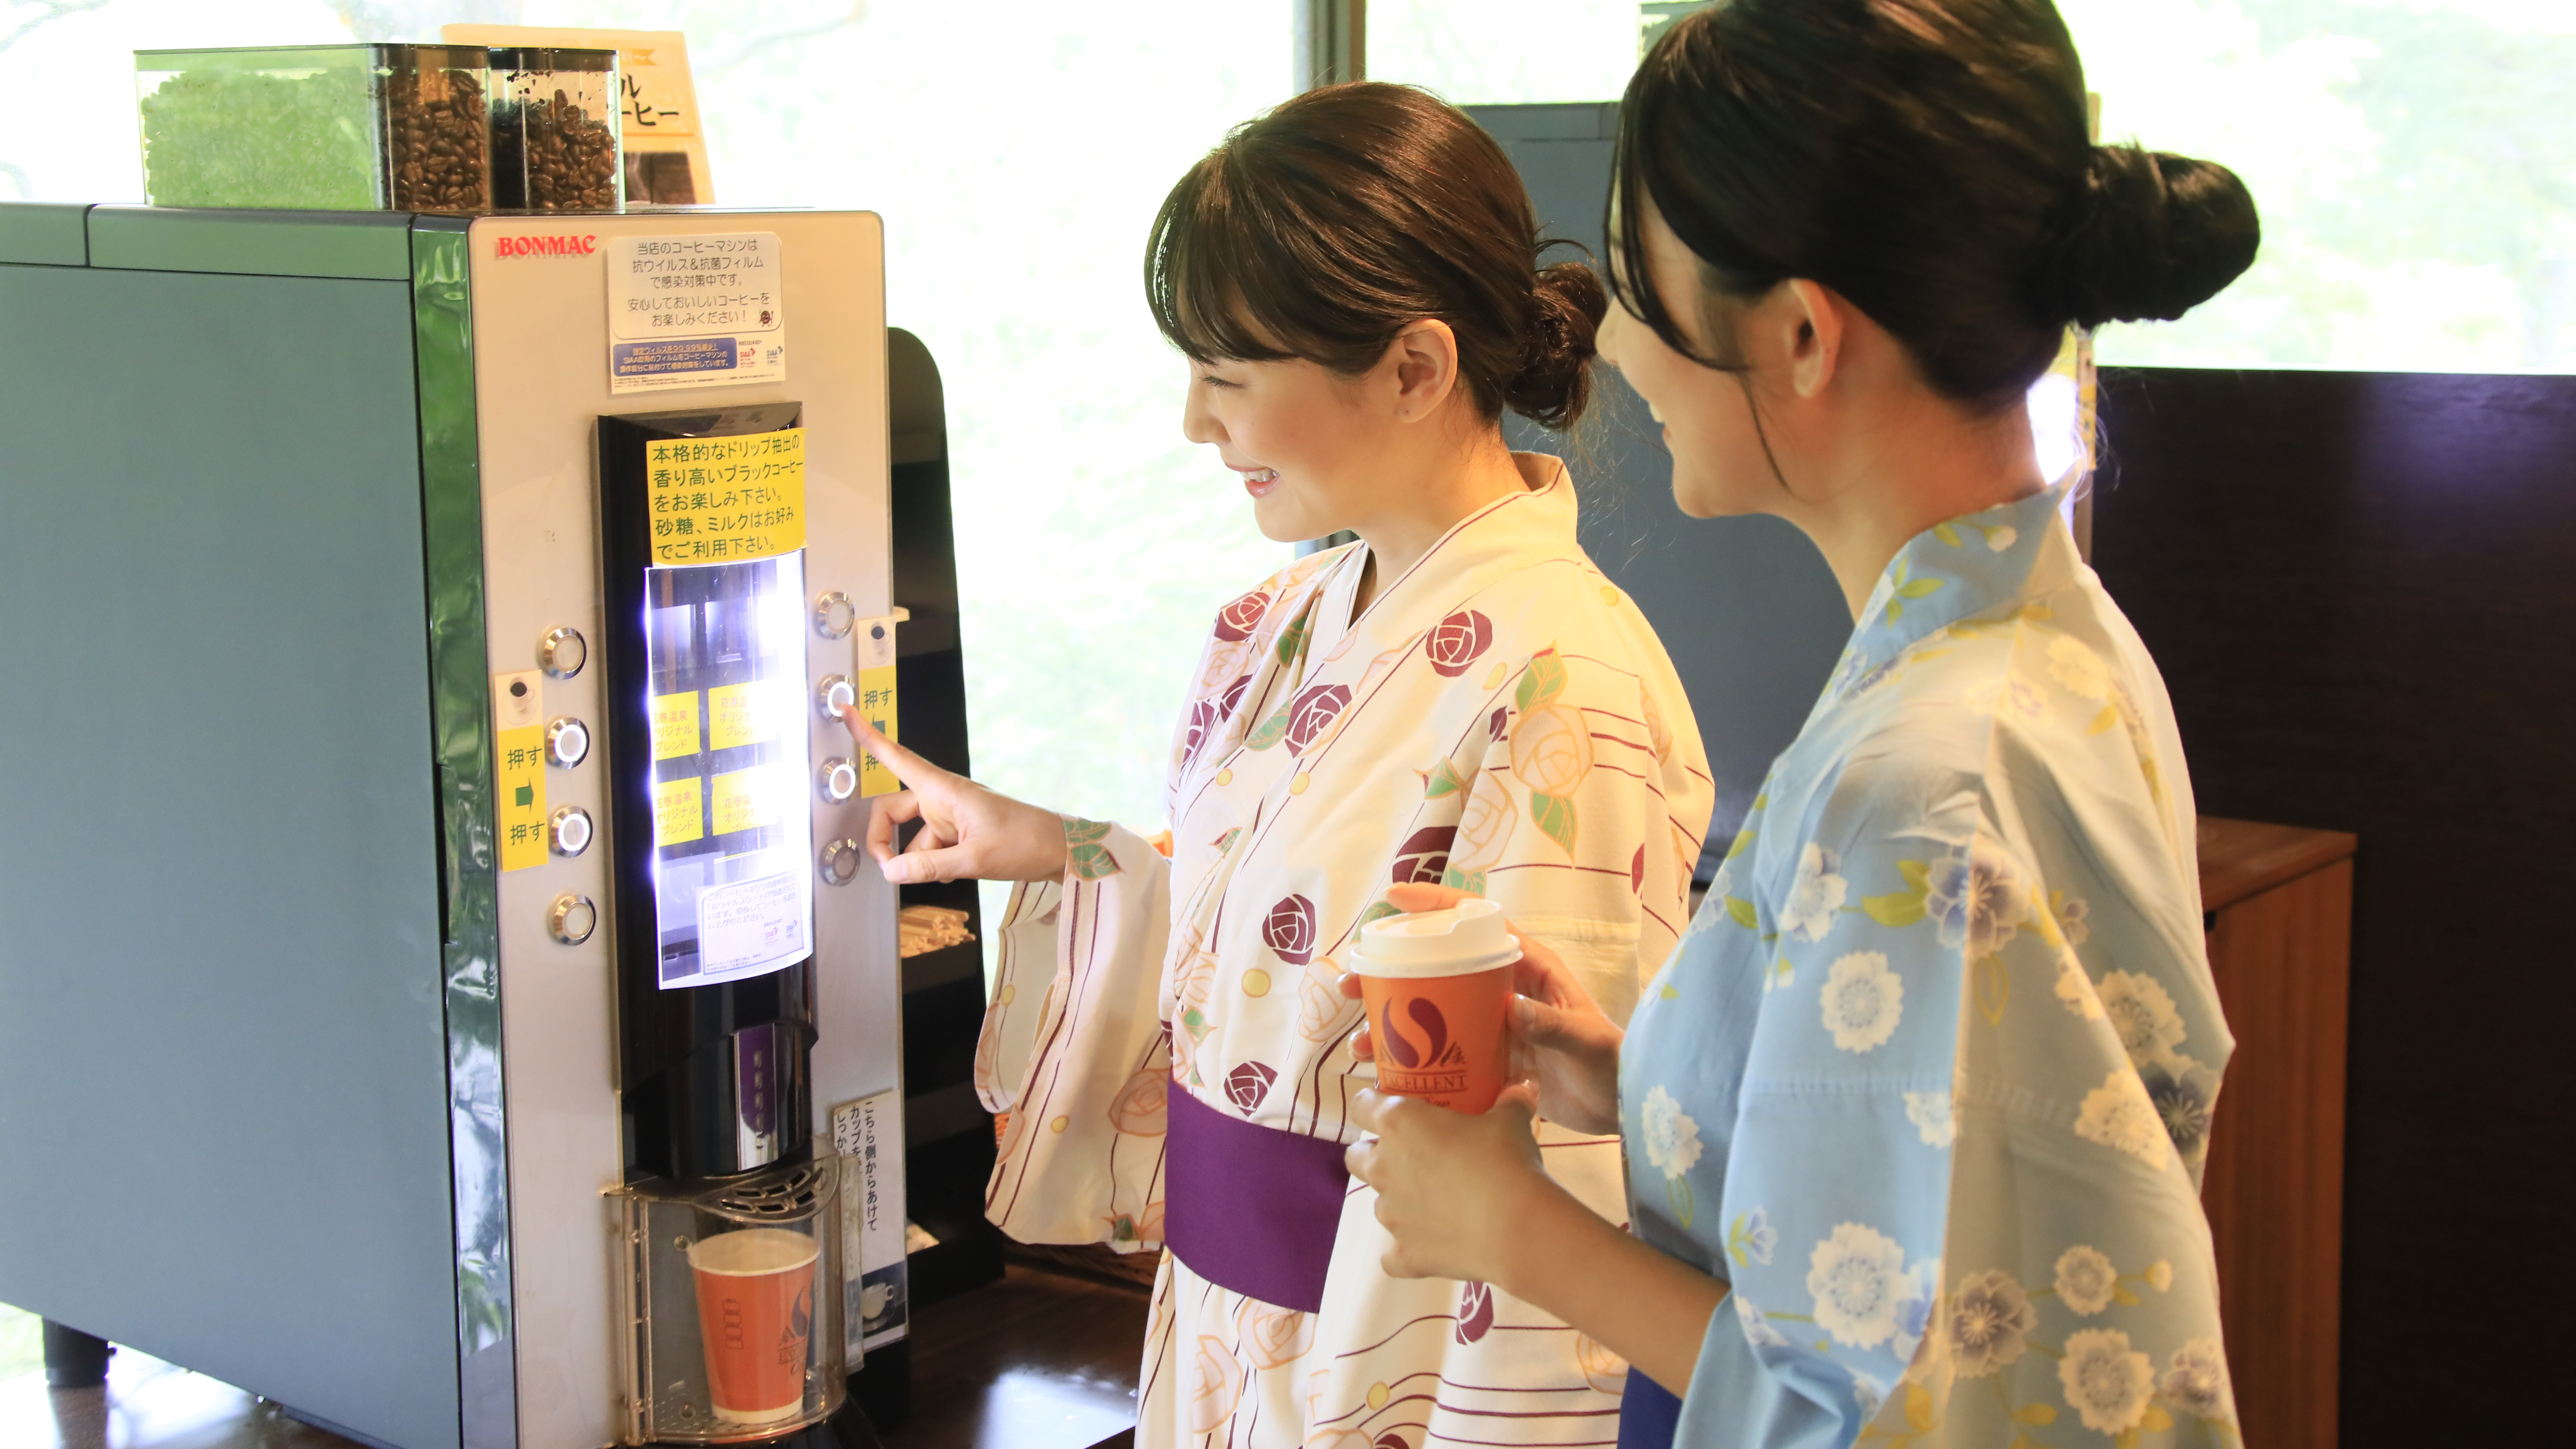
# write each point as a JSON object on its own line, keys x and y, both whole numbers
{"x": 559, "y": 244}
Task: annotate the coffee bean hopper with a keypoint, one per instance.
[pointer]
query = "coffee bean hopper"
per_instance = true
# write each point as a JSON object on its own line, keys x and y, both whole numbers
{"x": 452, "y": 128}
{"x": 450, "y": 611}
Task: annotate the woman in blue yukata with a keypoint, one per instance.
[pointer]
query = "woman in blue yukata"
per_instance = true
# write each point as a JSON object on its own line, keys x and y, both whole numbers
{"x": 1914, "y": 1114}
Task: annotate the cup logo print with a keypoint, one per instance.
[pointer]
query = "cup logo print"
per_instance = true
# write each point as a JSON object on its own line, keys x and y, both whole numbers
{"x": 800, "y": 1326}
{"x": 1425, "y": 1045}
{"x": 1457, "y": 642}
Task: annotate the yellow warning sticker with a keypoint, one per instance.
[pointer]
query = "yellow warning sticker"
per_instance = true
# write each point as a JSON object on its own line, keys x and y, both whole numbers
{"x": 745, "y": 799}
{"x": 720, "y": 500}
{"x": 679, "y": 812}
{"x": 742, "y": 714}
{"x": 876, "y": 706}
{"x": 675, "y": 725}
{"x": 519, "y": 818}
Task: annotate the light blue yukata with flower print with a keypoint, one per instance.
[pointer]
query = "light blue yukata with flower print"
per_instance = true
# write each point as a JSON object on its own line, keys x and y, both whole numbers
{"x": 1929, "y": 1079}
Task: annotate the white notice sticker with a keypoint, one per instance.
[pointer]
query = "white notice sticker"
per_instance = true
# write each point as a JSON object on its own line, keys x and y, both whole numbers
{"x": 750, "y": 925}
{"x": 695, "y": 311}
{"x": 875, "y": 1246}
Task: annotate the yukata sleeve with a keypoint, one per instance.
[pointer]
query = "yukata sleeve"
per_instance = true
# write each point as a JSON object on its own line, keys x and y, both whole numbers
{"x": 1074, "y": 1056}
{"x": 1951, "y": 1210}
{"x": 1581, "y": 820}
{"x": 1874, "y": 930}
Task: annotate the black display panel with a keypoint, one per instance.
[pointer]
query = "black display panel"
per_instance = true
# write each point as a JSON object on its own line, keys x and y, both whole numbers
{"x": 709, "y": 754}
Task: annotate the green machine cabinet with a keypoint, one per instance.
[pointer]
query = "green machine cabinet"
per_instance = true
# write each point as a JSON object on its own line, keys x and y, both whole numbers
{"x": 273, "y": 1016}
{"x": 223, "y": 1066}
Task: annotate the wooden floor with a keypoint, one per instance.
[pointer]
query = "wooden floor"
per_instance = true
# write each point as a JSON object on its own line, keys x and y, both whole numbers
{"x": 1036, "y": 1361}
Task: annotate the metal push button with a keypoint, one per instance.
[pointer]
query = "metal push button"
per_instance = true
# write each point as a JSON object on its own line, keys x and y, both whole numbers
{"x": 838, "y": 779}
{"x": 562, "y": 652}
{"x": 572, "y": 918}
{"x": 569, "y": 831}
{"x": 834, "y": 694}
{"x": 567, "y": 741}
{"x": 834, "y": 614}
{"x": 840, "y": 862}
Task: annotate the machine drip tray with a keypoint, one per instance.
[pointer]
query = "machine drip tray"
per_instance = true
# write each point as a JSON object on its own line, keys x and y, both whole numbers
{"x": 731, "y": 1300}
{"x": 848, "y": 1428}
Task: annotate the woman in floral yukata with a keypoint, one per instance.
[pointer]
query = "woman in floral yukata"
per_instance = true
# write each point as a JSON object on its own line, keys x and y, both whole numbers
{"x": 1459, "y": 697}
{"x": 1915, "y": 1113}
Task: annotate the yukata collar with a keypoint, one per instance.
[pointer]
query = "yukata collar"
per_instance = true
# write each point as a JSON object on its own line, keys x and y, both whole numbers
{"x": 1545, "y": 509}
{"x": 1970, "y": 565}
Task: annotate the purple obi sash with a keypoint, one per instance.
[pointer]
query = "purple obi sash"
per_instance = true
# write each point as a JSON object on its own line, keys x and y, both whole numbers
{"x": 1249, "y": 1208}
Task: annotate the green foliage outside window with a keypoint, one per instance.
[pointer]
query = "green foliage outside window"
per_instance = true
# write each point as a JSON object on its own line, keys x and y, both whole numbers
{"x": 2415, "y": 159}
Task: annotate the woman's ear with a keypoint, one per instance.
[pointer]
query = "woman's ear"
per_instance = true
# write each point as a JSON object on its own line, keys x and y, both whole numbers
{"x": 1425, "y": 362}
{"x": 1813, "y": 319}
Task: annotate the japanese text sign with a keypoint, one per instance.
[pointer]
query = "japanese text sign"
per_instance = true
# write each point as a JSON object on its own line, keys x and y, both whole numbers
{"x": 695, "y": 311}
{"x": 723, "y": 500}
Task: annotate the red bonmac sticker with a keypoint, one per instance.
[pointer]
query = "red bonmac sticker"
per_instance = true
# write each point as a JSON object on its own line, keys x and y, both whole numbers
{"x": 557, "y": 244}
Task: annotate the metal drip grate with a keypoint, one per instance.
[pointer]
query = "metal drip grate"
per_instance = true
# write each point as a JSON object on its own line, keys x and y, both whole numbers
{"x": 791, "y": 1195}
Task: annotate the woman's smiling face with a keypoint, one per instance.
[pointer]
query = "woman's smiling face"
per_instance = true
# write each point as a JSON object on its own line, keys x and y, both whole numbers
{"x": 1719, "y": 464}
{"x": 1304, "y": 440}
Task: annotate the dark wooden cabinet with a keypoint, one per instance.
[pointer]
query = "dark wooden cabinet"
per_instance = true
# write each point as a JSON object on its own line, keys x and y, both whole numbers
{"x": 2279, "y": 904}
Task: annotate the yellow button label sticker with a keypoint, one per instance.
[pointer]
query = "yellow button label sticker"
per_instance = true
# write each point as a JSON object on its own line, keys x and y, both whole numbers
{"x": 679, "y": 812}
{"x": 519, "y": 769}
{"x": 745, "y": 800}
{"x": 876, "y": 706}
{"x": 742, "y": 714}
{"x": 675, "y": 725}
{"x": 718, "y": 500}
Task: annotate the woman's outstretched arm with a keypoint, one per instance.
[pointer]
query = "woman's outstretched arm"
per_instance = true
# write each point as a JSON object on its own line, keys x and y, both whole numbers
{"x": 967, "y": 833}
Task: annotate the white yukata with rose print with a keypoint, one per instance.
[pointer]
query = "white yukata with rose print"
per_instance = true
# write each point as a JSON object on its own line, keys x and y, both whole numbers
{"x": 1929, "y": 1080}
{"x": 1500, "y": 718}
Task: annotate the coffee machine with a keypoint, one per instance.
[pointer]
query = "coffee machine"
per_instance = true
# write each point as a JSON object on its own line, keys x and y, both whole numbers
{"x": 497, "y": 1043}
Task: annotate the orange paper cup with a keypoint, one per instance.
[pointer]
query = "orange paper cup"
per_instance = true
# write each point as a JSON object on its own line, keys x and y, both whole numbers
{"x": 756, "y": 1312}
{"x": 1438, "y": 987}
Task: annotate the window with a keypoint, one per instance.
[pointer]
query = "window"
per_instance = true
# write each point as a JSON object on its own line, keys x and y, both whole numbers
{"x": 2414, "y": 160}
{"x": 1506, "y": 52}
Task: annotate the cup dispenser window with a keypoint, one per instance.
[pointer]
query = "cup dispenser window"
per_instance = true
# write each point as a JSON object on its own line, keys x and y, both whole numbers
{"x": 732, "y": 1300}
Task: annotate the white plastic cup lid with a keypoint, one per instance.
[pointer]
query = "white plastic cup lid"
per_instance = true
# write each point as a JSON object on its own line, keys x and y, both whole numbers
{"x": 1466, "y": 938}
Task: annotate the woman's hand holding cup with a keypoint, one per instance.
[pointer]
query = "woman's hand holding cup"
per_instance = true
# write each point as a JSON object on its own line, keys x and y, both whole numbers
{"x": 967, "y": 832}
{"x": 1560, "y": 1038}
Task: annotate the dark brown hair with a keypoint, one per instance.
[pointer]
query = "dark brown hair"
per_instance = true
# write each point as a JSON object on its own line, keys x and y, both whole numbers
{"x": 1326, "y": 226}
{"x": 1927, "y": 159}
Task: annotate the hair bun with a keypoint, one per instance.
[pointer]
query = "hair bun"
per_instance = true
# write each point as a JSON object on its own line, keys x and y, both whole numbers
{"x": 1555, "y": 381}
{"x": 2154, "y": 236}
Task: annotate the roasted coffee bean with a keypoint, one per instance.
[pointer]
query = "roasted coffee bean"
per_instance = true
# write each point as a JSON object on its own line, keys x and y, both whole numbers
{"x": 438, "y": 127}
{"x": 571, "y": 157}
